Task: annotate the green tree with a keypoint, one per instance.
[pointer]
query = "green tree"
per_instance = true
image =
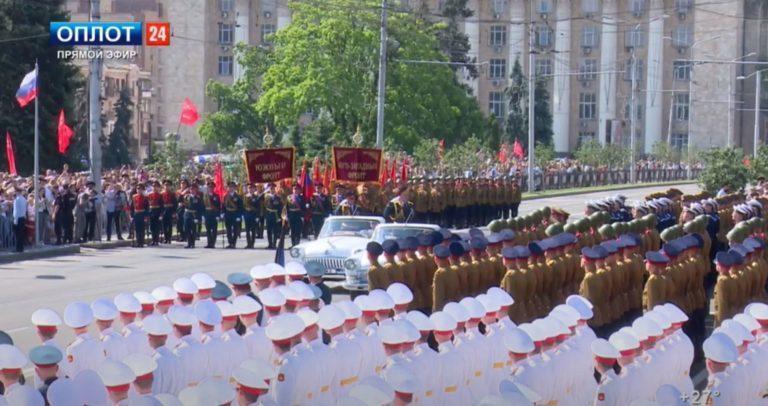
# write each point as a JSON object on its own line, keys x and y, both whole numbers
{"x": 115, "y": 145}
{"x": 24, "y": 32}
{"x": 758, "y": 166}
{"x": 544, "y": 153}
{"x": 517, "y": 115}
{"x": 325, "y": 61}
{"x": 589, "y": 153}
{"x": 664, "y": 152}
{"x": 237, "y": 118}
{"x": 468, "y": 155}
{"x": 723, "y": 167}
{"x": 426, "y": 153}
{"x": 452, "y": 39}
{"x": 169, "y": 159}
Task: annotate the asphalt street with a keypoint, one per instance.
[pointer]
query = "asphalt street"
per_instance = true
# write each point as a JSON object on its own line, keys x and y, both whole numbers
{"x": 93, "y": 274}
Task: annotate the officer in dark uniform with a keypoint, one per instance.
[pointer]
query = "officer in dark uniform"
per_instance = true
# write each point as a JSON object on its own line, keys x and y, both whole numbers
{"x": 233, "y": 212}
{"x": 169, "y": 208}
{"x": 273, "y": 205}
{"x": 46, "y": 359}
{"x": 180, "y": 197}
{"x": 320, "y": 206}
{"x": 139, "y": 209}
{"x": 315, "y": 272}
{"x": 399, "y": 209}
{"x": 295, "y": 206}
{"x": 193, "y": 207}
{"x": 252, "y": 205}
{"x": 260, "y": 211}
{"x": 64, "y": 215}
{"x": 155, "y": 211}
{"x": 211, "y": 215}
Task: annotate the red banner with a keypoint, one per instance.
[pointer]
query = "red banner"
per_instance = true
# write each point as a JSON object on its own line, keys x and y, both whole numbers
{"x": 269, "y": 165}
{"x": 357, "y": 164}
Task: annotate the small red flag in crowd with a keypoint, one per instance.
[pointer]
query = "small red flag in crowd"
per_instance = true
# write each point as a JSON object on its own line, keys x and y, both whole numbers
{"x": 518, "y": 151}
{"x": 327, "y": 176}
{"x": 503, "y": 153}
{"x": 383, "y": 174}
{"x": 316, "y": 171}
{"x": 441, "y": 149}
{"x": 9, "y": 153}
{"x": 393, "y": 171}
{"x": 219, "y": 188}
{"x": 189, "y": 114}
{"x": 64, "y": 132}
{"x": 404, "y": 171}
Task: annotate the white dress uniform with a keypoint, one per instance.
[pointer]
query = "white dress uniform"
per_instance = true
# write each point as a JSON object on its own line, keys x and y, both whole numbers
{"x": 349, "y": 356}
{"x": 218, "y": 355}
{"x": 257, "y": 343}
{"x": 477, "y": 346}
{"x": 169, "y": 376}
{"x": 83, "y": 353}
{"x": 113, "y": 344}
{"x": 325, "y": 357}
{"x": 724, "y": 390}
{"x": 236, "y": 349}
{"x": 193, "y": 359}
{"x": 426, "y": 364}
{"x": 135, "y": 339}
{"x": 378, "y": 355}
{"x": 286, "y": 389}
{"x": 453, "y": 375}
{"x": 24, "y": 395}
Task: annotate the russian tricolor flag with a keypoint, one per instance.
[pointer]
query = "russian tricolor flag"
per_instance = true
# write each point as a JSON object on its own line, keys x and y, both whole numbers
{"x": 28, "y": 89}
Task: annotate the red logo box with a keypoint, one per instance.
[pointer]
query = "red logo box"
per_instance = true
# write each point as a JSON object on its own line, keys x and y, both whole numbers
{"x": 157, "y": 34}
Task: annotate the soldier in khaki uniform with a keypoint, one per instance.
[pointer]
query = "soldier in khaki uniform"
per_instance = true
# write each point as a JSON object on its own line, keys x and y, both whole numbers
{"x": 654, "y": 291}
{"x": 726, "y": 291}
{"x": 436, "y": 203}
{"x": 421, "y": 202}
{"x": 478, "y": 265}
{"x": 423, "y": 254}
{"x": 592, "y": 286}
{"x": 393, "y": 269}
{"x": 495, "y": 265}
{"x": 445, "y": 286}
{"x": 414, "y": 270}
{"x": 513, "y": 283}
{"x": 378, "y": 278}
{"x": 460, "y": 267}
{"x": 538, "y": 268}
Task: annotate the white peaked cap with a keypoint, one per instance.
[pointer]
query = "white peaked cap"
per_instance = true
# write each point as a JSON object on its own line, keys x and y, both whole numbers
{"x": 226, "y": 309}
{"x": 78, "y": 314}
{"x": 284, "y": 327}
{"x": 181, "y": 316}
{"x": 757, "y": 310}
{"x": 115, "y": 373}
{"x": 295, "y": 268}
{"x": 164, "y": 293}
{"x": 145, "y": 297}
{"x": 400, "y": 293}
{"x": 443, "y": 321}
{"x": 303, "y": 290}
{"x": 104, "y": 309}
{"x": 401, "y": 379}
{"x": 747, "y": 321}
{"x": 140, "y": 364}
{"x": 331, "y": 317}
{"x": 62, "y": 392}
{"x": 208, "y": 312}
{"x": 218, "y": 390}
{"x": 475, "y": 309}
{"x": 156, "y": 325}
{"x": 185, "y": 286}
{"x": 261, "y": 367}
{"x": 518, "y": 341}
{"x": 720, "y": 348}
{"x": 381, "y": 299}
{"x": 647, "y": 327}
{"x": 364, "y": 303}
{"x": 533, "y": 331}
{"x": 261, "y": 272}
{"x": 624, "y": 341}
{"x": 457, "y": 311}
{"x": 737, "y": 332}
{"x": 373, "y": 390}
{"x": 11, "y": 357}
{"x": 271, "y": 297}
{"x": 504, "y": 298}
{"x": 127, "y": 303}
{"x": 309, "y": 316}
{"x": 603, "y": 349}
{"x": 351, "y": 311}
{"x": 45, "y": 317}
{"x": 245, "y": 305}
{"x": 420, "y": 320}
{"x": 392, "y": 334}
{"x": 490, "y": 303}
{"x": 203, "y": 281}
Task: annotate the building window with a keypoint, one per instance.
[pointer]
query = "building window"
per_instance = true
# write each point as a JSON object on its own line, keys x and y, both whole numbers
{"x": 634, "y": 37}
{"x": 266, "y": 33}
{"x": 587, "y": 106}
{"x": 543, "y": 36}
{"x": 225, "y": 33}
{"x": 681, "y": 70}
{"x": 589, "y": 36}
{"x": 585, "y": 137}
{"x": 544, "y": 6}
{"x": 639, "y": 68}
{"x": 589, "y": 7}
{"x": 498, "y": 35}
{"x": 637, "y": 7}
{"x": 498, "y": 69}
{"x": 680, "y": 106}
{"x": 498, "y": 7}
{"x": 496, "y": 104}
{"x": 682, "y": 36}
{"x": 543, "y": 67}
{"x": 682, "y": 6}
{"x": 638, "y": 111}
{"x": 225, "y": 6}
{"x": 225, "y": 65}
{"x": 588, "y": 70}
{"x": 679, "y": 141}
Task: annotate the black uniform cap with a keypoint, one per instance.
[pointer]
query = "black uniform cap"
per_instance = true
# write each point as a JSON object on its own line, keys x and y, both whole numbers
{"x": 374, "y": 248}
{"x": 390, "y": 247}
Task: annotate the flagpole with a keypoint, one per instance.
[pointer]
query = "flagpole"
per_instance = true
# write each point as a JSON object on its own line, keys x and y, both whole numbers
{"x": 37, "y": 161}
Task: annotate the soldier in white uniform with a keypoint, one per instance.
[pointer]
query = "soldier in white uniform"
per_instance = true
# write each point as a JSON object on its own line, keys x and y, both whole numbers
{"x": 204, "y": 283}
{"x": 143, "y": 367}
{"x": 452, "y": 375}
{"x": 273, "y": 302}
{"x": 12, "y": 361}
{"x": 170, "y": 377}
{"x": 720, "y": 352}
{"x": 235, "y": 344}
{"x": 348, "y": 353}
{"x": 481, "y": 354}
{"x": 105, "y": 312}
{"x": 317, "y": 387}
{"x": 505, "y": 302}
{"x": 209, "y": 318}
{"x": 402, "y": 296}
{"x": 47, "y": 324}
{"x": 165, "y": 296}
{"x": 134, "y": 338}
{"x": 85, "y": 352}
{"x": 285, "y": 332}
{"x": 147, "y": 302}
{"x": 405, "y": 383}
{"x": 192, "y": 356}
{"x": 256, "y": 341}
{"x": 743, "y": 370}
{"x": 381, "y": 300}
{"x": 425, "y": 360}
{"x": 367, "y": 343}
{"x": 186, "y": 291}
{"x": 250, "y": 386}
{"x": 117, "y": 378}
{"x": 629, "y": 358}
{"x": 611, "y": 387}
{"x": 262, "y": 278}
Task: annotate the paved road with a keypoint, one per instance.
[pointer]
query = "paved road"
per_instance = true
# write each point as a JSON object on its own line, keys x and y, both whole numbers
{"x": 92, "y": 274}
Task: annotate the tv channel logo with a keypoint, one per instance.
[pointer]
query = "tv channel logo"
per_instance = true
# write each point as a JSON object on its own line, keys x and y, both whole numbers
{"x": 110, "y": 33}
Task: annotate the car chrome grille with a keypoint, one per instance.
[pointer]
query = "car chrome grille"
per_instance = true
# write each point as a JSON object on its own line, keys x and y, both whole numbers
{"x": 329, "y": 263}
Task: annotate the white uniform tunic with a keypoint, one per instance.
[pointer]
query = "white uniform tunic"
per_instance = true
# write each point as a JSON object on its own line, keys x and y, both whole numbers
{"x": 259, "y": 346}
{"x": 218, "y": 357}
{"x": 83, "y": 353}
{"x": 453, "y": 375}
{"x": 611, "y": 390}
{"x": 169, "y": 377}
{"x": 349, "y": 358}
{"x": 426, "y": 364}
{"x": 286, "y": 388}
{"x": 136, "y": 340}
{"x": 193, "y": 359}
{"x": 237, "y": 350}
{"x": 113, "y": 344}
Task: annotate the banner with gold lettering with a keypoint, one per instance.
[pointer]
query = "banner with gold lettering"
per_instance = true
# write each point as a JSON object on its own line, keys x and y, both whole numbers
{"x": 357, "y": 164}
{"x": 269, "y": 165}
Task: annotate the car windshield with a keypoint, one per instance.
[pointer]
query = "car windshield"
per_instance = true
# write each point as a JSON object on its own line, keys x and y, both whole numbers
{"x": 347, "y": 227}
{"x": 395, "y": 233}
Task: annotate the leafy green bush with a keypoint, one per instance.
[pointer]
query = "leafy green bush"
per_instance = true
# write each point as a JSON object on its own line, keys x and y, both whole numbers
{"x": 723, "y": 166}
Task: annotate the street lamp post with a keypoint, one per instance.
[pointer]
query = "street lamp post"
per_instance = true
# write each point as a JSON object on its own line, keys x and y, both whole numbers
{"x": 758, "y": 82}
{"x": 689, "y": 170}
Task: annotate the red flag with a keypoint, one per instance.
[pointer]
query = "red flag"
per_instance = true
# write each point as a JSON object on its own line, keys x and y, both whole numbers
{"x": 219, "y": 187}
{"x": 189, "y": 114}
{"x": 404, "y": 171}
{"x": 307, "y": 188}
{"x": 9, "y": 153}
{"x": 316, "y": 171}
{"x": 65, "y": 133}
{"x": 327, "y": 176}
{"x": 440, "y": 149}
{"x": 517, "y": 150}
{"x": 393, "y": 171}
{"x": 745, "y": 161}
{"x": 383, "y": 176}
{"x": 503, "y": 154}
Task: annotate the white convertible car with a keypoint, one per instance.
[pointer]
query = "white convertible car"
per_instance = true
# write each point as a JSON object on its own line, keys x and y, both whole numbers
{"x": 356, "y": 266}
{"x": 337, "y": 240}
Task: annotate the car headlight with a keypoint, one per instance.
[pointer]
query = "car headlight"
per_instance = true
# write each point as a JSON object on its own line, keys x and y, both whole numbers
{"x": 295, "y": 252}
{"x": 350, "y": 264}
